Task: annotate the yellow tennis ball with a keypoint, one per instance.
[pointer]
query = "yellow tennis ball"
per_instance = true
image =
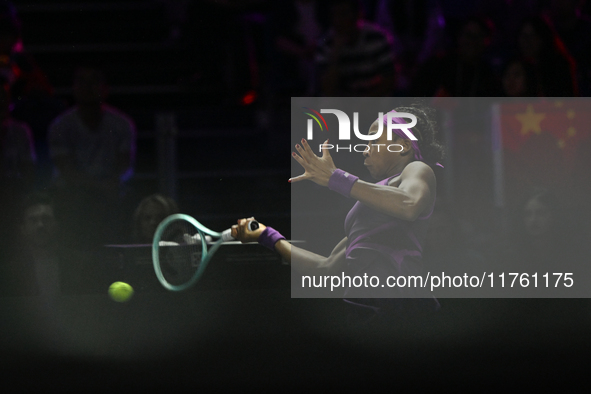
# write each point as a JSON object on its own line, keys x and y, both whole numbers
{"x": 120, "y": 291}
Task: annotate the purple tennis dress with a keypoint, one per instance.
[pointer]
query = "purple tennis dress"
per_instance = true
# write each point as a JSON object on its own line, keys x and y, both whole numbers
{"x": 381, "y": 245}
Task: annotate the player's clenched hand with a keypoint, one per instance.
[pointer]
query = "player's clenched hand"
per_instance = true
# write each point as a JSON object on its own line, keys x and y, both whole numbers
{"x": 316, "y": 169}
{"x": 241, "y": 232}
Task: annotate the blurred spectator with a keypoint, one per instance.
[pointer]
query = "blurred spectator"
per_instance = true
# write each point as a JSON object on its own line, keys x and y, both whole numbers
{"x": 507, "y": 16}
{"x": 17, "y": 164}
{"x": 554, "y": 67}
{"x": 418, "y": 29}
{"x": 39, "y": 263}
{"x": 150, "y": 212}
{"x": 221, "y": 43}
{"x": 543, "y": 236}
{"x": 30, "y": 262}
{"x": 17, "y": 152}
{"x": 519, "y": 79}
{"x": 465, "y": 72}
{"x": 93, "y": 144}
{"x": 574, "y": 30}
{"x": 355, "y": 58}
{"x": 93, "y": 147}
{"x": 32, "y": 95}
{"x": 297, "y": 26}
{"x": 38, "y": 231}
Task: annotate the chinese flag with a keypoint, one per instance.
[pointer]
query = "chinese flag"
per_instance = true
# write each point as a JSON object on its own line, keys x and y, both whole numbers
{"x": 546, "y": 144}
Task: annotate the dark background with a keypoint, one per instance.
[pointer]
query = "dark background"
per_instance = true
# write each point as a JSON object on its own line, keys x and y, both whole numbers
{"x": 233, "y": 161}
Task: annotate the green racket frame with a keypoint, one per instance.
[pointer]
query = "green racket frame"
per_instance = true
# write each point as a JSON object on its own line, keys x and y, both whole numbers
{"x": 206, "y": 254}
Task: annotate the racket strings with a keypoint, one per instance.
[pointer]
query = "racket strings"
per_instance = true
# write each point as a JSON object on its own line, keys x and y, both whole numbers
{"x": 180, "y": 252}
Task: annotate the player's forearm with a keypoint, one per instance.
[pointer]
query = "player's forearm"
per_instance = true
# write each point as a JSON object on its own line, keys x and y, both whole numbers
{"x": 302, "y": 260}
{"x": 284, "y": 249}
{"x": 385, "y": 199}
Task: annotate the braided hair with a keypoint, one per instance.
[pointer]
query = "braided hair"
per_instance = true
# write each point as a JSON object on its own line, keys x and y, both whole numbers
{"x": 426, "y": 132}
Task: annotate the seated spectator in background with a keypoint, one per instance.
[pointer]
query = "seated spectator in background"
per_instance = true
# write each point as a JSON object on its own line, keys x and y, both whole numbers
{"x": 39, "y": 262}
{"x": 38, "y": 253}
{"x": 465, "y": 72}
{"x": 32, "y": 95}
{"x": 93, "y": 144}
{"x": 93, "y": 148}
{"x": 297, "y": 26}
{"x": 543, "y": 238}
{"x": 519, "y": 79}
{"x": 31, "y": 259}
{"x": 354, "y": 58}
{"x": 150, "y": 212}
{"x": 554, "y": 67}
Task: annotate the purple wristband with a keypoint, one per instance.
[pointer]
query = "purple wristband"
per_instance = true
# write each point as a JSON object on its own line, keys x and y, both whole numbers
{"x": 342, "y": 182}
{"x": 269, "y": 238}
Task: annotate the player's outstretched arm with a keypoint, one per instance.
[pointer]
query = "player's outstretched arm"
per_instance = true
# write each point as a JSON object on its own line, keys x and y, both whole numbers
{"x": 310, "y": 263}
{"x": 414, "y": 195}
{"x": 302, "y": 260}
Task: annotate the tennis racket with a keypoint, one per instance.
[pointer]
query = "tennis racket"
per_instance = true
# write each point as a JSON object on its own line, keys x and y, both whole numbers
{"x": 180, "y": 250}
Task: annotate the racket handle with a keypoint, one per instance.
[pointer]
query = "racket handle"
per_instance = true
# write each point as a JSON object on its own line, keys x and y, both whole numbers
{"x": 227, "y": 234}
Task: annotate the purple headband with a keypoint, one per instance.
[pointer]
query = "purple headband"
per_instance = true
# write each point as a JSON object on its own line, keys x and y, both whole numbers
{"x": 400, "y": 133}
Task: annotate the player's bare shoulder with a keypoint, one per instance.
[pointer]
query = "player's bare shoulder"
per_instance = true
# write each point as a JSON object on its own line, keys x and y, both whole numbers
{"x": 414, "y": 171}
{"x": 418, "y": 169}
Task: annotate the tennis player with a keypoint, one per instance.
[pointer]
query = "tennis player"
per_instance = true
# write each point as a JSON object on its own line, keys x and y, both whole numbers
{"x": 385, "y": 229}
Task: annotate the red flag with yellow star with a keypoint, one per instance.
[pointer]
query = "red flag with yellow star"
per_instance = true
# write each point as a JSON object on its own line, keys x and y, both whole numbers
{"x": 566, "y": 121}
{"x": 544, "y": 144}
